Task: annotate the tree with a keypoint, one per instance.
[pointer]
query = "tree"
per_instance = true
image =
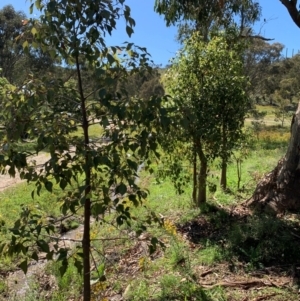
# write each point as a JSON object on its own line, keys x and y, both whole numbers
{"x": 281, "y": 112}
{"x": 73, "y": 32}
{"x": 206, "y": 16}
{"x": 207, "y": 84}
{"x": 279, "y": 190}
{"x": 143, "y": 85}
{"x": 10, "y": 51}
{"x": 260, "y": 61}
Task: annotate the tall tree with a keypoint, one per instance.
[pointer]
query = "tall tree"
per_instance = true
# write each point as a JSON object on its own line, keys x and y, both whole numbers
{"x": 260, "y": 57}
{"x": 205, "y": 16}
{"x": 11, "y": 27}
{"x": 279, "y": 190}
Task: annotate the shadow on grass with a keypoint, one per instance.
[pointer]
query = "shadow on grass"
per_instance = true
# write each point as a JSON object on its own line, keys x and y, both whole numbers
{"x": 257, "y": 241}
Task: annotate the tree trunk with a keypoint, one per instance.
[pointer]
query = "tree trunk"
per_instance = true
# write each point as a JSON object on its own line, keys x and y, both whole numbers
{"x": 86, "y": 242}
{"x": 223, "y": 181}
{"x": 202, "y": 183}
{"x": 202, "y": 174}
{"x": 194, "y": 174}
{"x": 279, "y": 190}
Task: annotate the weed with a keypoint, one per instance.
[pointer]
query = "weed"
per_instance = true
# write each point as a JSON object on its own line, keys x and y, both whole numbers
{"x": 210, "y": 255}
{"x": 70, "y": 285}
{"x": 177, "y": 288}
{"x": 137, "y": 291}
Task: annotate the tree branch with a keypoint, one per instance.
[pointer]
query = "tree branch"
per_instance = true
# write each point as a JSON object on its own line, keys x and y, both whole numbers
{"x": 291, "y": 6}
{"x": 256, "y": 37}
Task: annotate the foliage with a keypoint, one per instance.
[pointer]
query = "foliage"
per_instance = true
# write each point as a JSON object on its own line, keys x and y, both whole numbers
{"x": 93, "y": 177}
{"x": 260, "y": 59}
{"x": 208, "y": 16}
{"x": 143, "y": 85}
{"x": 281, "y": 112}
{"x": 10, "y": 51}
{"x": 208, "y": 87}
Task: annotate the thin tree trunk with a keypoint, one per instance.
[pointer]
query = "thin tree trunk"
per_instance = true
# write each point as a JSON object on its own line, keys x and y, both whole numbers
{"x": 202, "y": 183}
{"x": 239, "y": 172}
{"x": 194, "y": 195}
{"x": 223, "y": 181}
{"x": 279, "y": 190}
{"x": 86, "y": 243}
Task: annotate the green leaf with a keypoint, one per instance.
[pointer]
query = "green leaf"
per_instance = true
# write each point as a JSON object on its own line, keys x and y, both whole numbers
{"x": 24, "y": 266}
{"x": 49, "y": 186}
{"x": 132, "y": 164}
{"x": 63, "y": 184}
{"x": 43, "y": 246}
{"x": 35, "y": 256}
{"x": 78, "y": 264}
{"x": 110, "y": 58}
{"x": 34, "y": 31}
{"x": 25, "y": 45}
{"x": 31, "y": 8}
{"x": 63, "y": 267}
{"x": 129, "y": 30}
{"x": 121, "y": 189}
{"x": 38, "y": 4}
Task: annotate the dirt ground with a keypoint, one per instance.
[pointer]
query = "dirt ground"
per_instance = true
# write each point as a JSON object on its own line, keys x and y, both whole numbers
{"x": 7, "y": 181}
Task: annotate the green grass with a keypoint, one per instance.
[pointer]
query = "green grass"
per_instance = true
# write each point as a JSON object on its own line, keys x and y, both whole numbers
{"x": 196, "y": 239}
{"x": 95, "y": 131}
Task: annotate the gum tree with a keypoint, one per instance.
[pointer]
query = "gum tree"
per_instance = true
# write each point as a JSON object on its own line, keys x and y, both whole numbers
{"x": 207, "y": 83}
{"x": 206, "y": 16}
{"x": 10, "y": 51}
{"x": 279, "y": 190}
{"x": 94, "y": 176}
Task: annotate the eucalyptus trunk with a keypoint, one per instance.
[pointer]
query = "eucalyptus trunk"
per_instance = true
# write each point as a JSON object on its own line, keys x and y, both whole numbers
{"x": 279, "y": 190}
{"x": 202, "y": 174}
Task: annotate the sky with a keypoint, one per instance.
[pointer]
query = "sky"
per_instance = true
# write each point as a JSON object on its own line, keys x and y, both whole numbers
{"x": 152, "y": 33}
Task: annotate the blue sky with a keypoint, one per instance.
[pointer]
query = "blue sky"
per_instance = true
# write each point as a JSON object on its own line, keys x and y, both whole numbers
{"x": 152, "y": 33}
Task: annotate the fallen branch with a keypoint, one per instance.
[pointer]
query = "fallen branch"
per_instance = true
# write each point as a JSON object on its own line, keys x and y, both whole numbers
{"x": 241, "y": 284}
{"x": 205, "y": 273}
{"x": 265, "y": 297}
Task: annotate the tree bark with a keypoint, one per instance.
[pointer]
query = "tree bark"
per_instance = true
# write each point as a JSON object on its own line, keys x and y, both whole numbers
{"x": 86, "y": 242}
{"x": 202, "y": 183}
{"x": 279, "y": 191}
{"x": 223, "y": 181}
{"x": 202, "y": 175}
{"x": 291, "y": 6}
{"x": 194, "y": 195}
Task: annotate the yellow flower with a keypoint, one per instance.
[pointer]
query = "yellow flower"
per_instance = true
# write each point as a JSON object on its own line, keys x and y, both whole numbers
{"x": 170, "y": 227}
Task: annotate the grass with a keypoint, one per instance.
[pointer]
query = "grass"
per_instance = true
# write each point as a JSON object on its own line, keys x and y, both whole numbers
{"x": 204, "y": 246}
{"x": 269, "y": 119}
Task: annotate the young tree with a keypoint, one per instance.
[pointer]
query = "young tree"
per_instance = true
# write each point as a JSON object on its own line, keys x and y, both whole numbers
{"x": 87, "y": 171}
{"x": 281, "y": 112}
{"x": 208, "y": 86}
